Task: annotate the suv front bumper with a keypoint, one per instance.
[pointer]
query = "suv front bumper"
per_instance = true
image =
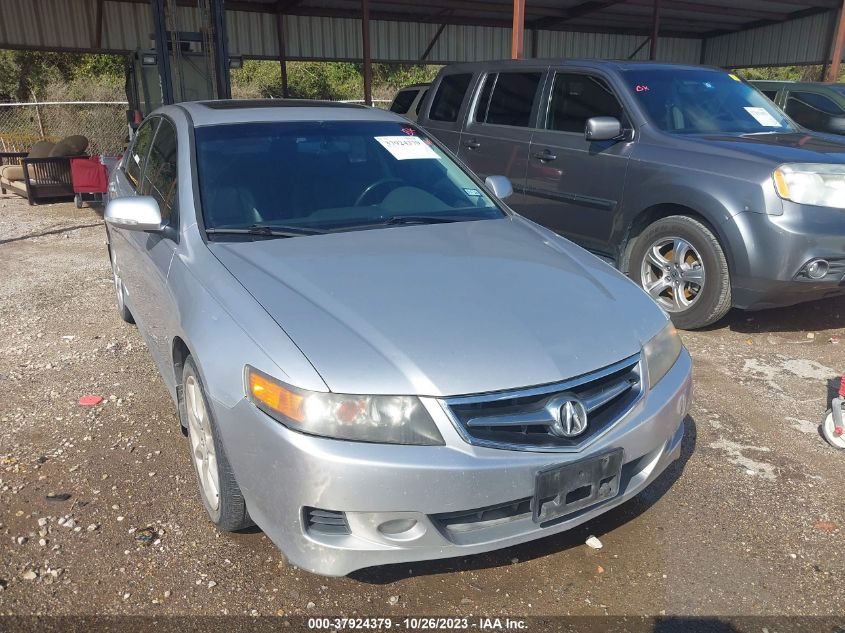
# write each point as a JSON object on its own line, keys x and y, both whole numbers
{"x": 767, "y": 255}
{"x": 285, "y": 475}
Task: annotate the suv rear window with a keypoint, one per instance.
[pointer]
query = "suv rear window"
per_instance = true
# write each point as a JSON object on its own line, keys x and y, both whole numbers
{"x": 448, "y": 98}
{"x": 507, "y": 99}
{"x": 402, "y": 101}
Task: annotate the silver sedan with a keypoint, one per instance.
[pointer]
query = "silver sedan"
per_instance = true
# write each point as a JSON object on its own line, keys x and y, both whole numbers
{"x": 374, "y": 359}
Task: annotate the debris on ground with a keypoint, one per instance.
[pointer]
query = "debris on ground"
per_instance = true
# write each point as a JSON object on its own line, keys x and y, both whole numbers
{"x": 146, "y": 536}
{"x": 594, "y": 543}
{"x": 90, "y": 401}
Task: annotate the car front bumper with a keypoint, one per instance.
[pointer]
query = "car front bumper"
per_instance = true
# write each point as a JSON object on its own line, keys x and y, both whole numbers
{"x": 281, "y": 473}
{"x": 769, "y": 252}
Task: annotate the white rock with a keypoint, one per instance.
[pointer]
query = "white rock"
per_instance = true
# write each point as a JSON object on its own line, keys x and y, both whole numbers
{"x": 594, "y": 543}
{"x": 42, "y": 542}
{"x": 42, "y": 522}
{"x": 393, "y": 600}
{"x": 93, "y": 527}
{"x": 29, "y": 575}
{"x": 211, "y": 584}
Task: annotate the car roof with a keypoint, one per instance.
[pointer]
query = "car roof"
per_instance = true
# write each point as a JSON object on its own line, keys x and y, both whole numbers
{"x": 227, "y": 111}
{"x": 794, "y": 83}
{"x": 616, "y": 64}
{"x": 414, "y": 86}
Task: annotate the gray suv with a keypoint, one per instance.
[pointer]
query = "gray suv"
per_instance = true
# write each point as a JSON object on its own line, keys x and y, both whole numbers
{"x": 685, "y": 177}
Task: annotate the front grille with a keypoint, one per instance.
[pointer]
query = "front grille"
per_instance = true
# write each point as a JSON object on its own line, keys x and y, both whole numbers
{"x": 326, "y": 521}
{"x": 455, "y": 523}
{"x": 523, "y": 419}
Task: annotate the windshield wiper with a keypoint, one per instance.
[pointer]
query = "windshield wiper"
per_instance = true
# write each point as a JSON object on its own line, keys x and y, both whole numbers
{"x": 259, "y": 230}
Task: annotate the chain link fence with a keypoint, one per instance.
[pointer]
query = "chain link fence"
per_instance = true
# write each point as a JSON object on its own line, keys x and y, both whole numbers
{"x": 103, "y": 123}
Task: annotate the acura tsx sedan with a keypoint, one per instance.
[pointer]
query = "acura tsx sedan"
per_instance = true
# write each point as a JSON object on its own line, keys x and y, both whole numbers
{"x": 373, "y": 358}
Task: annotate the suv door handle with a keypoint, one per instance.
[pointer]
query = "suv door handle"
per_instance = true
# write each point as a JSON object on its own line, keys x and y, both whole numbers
{"x": 473, "y": 144}
{"x": 544, "y": 156}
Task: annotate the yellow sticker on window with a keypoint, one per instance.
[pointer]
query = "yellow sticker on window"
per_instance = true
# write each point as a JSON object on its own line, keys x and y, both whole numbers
{"x": 734, "y": 77}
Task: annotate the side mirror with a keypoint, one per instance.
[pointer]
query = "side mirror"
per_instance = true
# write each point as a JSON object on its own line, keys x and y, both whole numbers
{"x": 134, "y": 213}
{"x": 500, "y": 186}
{"x": 603, "y": 128}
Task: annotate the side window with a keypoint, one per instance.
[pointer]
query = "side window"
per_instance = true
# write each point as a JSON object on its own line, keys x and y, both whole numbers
{"x": 160, "y": 180}
{"x": 448, "y": 98}
{"x": 138, "y": 154}
{"x": 813, "y": 110}
{"x": 402, "y": 101}
{"x": 576, "y": 98}
{"x": 511, "y": 97}
{"x": 771, "y": 94}
{"x": 420, "y": 101}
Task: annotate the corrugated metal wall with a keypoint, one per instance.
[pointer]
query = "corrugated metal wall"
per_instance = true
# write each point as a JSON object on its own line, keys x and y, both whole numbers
{"x": 798, "y": 41}
{"x": 69, "y": 25}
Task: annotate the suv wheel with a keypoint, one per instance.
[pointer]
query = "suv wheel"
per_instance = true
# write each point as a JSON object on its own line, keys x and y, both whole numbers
{"x": 219, "y": 491}
{"x": 680, "y": 263}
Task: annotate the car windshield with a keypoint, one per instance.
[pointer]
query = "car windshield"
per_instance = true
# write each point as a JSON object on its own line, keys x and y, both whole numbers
{"x": 315, "y": 177}
{"x": 704, "y": 101}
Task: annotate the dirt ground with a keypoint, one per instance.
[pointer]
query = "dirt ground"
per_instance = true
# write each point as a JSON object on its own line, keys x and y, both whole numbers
{"x": 748, "y": 521}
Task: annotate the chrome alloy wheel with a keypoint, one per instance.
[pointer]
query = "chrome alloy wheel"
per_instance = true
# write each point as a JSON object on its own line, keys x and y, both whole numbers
{"x": 118, "y": 283}
{"x": 672, "y": 273}
{"x": 202, "y": 442}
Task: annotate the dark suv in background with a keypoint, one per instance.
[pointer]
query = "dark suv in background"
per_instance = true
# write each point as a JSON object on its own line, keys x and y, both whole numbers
{"x": 685, "y": 177}
{"x": 816, "y": 106}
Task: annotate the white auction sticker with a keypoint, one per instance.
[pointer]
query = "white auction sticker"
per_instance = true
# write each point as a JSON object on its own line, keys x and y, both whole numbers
{"x": 406, "y": 147}
{"x": 763, "y": 117}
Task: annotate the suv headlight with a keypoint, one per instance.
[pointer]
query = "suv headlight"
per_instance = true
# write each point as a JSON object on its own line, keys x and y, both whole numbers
{"x": 661, "y": 352}
{"x": 382, "y": 419}
{"x": 818, "y": 184}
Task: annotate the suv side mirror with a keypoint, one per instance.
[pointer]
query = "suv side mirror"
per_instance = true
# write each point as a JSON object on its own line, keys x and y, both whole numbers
{"x": 134, "y": 213}
{"x": 500, "y": 186}
{"x": 603, "y": 128}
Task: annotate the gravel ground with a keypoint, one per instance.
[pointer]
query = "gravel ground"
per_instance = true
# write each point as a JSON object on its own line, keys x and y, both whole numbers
{"x": 99, "y": 512}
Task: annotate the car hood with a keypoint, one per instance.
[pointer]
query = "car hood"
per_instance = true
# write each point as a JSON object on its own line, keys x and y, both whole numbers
{"x": 444, "y": 309}
{"x": 781, "y": 148}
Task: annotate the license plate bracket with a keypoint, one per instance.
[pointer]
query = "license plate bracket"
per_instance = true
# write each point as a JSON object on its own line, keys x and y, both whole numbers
{"x": 562, "y": 490}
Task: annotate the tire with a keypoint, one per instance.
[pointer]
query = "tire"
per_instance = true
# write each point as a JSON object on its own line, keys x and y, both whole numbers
{"x": 693, "y": 285}
{"x": 827, "y": 429}
{"x": 78, "y": 200}
{"x": 222, "y": 498}
{"x": 119, "y": 290}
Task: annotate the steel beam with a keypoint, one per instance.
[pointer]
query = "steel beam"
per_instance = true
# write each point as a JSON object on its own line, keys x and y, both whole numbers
{"x": 162, "y": 54}
{"x": 282, "y": 42}
{"x": 365, "y": 44}
{"x": 836, "y": 59}
{"x": 518, "y": 30}
{"x": 655, "y": 30}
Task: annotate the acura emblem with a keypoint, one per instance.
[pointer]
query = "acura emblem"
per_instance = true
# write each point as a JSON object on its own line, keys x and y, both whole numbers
{"x": 571, "y": 418}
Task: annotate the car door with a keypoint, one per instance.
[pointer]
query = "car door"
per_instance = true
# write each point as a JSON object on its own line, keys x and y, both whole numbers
{"x": 815, "y": 111}
{"x": 150, "y": 254}
{"x": 500, "y": 124}
{"x": 445, "y": 112}
{"x": 574, "y": 186}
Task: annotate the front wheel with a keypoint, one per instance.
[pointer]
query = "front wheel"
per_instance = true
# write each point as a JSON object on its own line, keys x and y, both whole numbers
{"x": 680, "y": 263}
{"x": 119, "y": 290}
{"x": 829, "y": 432}
{"x": 218, "y": 489}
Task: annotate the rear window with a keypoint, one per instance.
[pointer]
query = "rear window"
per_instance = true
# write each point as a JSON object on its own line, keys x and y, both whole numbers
{"x": 508, "y": 98}
{"x": 449, "y": 97}
{"x": 402, "y": 101}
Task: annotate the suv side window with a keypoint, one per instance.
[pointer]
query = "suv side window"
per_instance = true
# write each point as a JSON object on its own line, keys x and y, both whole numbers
{"x": 137, "y": 157}
{"x": 450, "y": 94}
{"x": 420, "y": 101}
{"x": 507, "y": 98}
{"x": 402, "y": 101}
{"x": 771, "y": 94}
{"x": 812, "y": 110}
{"x": 160, "y": 179}
{"x": 576, "y": 98}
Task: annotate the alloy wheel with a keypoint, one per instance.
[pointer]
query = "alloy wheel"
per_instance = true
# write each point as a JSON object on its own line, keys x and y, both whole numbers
{"x": 672, "y": 272}
{"x": 202, "y": 442}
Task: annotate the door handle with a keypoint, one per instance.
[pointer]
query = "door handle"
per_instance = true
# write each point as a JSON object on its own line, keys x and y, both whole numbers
{"x": 473, "y": 144}
{"x": 544, "y": 156}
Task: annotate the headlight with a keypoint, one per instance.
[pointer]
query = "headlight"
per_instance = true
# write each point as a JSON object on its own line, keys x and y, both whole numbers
{"x": 661, "y": 352}
{"x": 383, "y": 419}
{"x": 811, "y": 183}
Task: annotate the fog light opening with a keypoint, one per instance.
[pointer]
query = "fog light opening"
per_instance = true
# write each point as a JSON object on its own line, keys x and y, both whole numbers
{"x": 817, "y": 269}
{"x": 397, "y": 527}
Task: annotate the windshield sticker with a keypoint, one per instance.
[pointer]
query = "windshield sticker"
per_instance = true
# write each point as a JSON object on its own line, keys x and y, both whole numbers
{"x": 734, "y": 77}
{"x": 409, "y": 131}
{"x": 137, "y": 158}
{"x": 406, "y": 147}
{"x": 472, "y": 192}
{"x": 641, "y": 88}
{"x": 763, "y": 117}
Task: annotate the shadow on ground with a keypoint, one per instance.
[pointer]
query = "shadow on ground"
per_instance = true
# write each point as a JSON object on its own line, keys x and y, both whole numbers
{"x": 824, "y": 314}
{"x": 575, "y": 537}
